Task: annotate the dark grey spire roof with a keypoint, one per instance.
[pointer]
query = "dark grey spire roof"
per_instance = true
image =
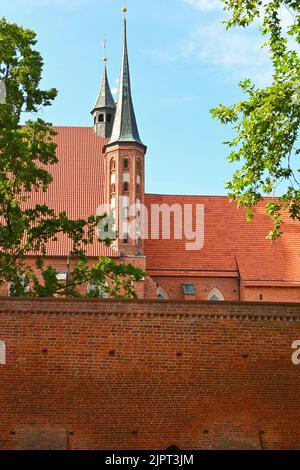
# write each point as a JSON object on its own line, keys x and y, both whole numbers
{"x": 105, "y": 98}
{"x": 125, "y": 127}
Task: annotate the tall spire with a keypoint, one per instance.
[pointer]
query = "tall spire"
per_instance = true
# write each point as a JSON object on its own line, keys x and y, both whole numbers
{"x": 125, "y": 128}
{"x": 105, "y": 107}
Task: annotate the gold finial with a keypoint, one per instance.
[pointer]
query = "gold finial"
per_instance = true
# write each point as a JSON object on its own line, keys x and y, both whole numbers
{"x": 124, "y": 9}
{"x": 105, "y": 58}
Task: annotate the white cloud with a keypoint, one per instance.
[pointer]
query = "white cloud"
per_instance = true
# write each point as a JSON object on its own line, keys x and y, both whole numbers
{"x": 45, "y": 3}
{"x": 205, "y": 5}
{"x": 238, "y": 52}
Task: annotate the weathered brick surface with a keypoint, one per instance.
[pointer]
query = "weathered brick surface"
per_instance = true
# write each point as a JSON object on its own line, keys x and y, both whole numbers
{"x": 132, "y": 375}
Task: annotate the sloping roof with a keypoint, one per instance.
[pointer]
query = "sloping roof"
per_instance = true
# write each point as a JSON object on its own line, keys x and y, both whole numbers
{"x": 78, "y": 180}
{"x": 125, "y": 127}
{"x": 230, "y": 244}
{"x": 105, "y": 98}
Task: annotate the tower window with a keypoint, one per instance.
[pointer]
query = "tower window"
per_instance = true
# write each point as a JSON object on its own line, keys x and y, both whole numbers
{"x": 101, "y": 118}
{"x": 126, "y": 163}
{"x": 126, "y": 187}
{"x": 125, "y": 240}
{"x": 138, "y": 165}
{"x": 95, "y": 120}
{"x": 112, "y": 165}
{"x": 113, "y": 188}
{"x": 138, "y": 188}
{"x": 109, "y": 118}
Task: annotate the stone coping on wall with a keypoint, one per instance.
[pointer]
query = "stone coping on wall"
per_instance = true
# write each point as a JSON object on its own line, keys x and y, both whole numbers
{"x": 153, "y": 308}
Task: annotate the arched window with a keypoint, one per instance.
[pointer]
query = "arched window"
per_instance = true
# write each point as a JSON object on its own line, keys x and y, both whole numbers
{"x": 95, "y": 120}
{"x": 112, "y": 165}
{"x": 109, "y": 118}
{"x": 126, "y": 163}
{"x": 126, "y": 187}
{"x": 101, "y": 118}
{"x": 125, "y": 239}
{"x": 162, "y": 294}
{"x": 138, "y": 165}
{"x": 138, "y": 188}
{"x": 215, "y": 295}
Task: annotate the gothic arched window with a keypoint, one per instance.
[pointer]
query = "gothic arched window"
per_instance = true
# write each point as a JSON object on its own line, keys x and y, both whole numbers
{"x": 161, "y": 294}
{"x": 126, "y": 163}
{"x": 215, "y": 295}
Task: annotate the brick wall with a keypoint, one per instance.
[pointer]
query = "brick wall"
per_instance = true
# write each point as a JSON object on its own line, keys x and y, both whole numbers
{"x": 229, "y": 287}
{"x": 270, "y": 294}
{"x": 131, "y": 375}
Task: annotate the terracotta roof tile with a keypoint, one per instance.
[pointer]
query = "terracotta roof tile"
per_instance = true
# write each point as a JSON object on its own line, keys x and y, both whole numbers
{"x": 77, "y": 186}
{"x": 229, "y": 241}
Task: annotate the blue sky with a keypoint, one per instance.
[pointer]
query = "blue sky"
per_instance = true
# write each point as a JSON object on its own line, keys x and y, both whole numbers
{"x": 183, "y": 62}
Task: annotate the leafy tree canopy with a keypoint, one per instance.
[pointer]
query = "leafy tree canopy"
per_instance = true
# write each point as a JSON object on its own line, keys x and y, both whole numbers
{"x": 267, "y": 121}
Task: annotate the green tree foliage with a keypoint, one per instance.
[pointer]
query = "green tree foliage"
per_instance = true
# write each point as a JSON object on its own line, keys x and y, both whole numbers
{"x": 25, "y": 155}
{"x": 267, "y": 121}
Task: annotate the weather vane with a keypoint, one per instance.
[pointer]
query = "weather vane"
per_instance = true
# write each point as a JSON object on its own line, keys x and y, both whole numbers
{"x": 124, "y": 9}
{"x": 105, "y": 58}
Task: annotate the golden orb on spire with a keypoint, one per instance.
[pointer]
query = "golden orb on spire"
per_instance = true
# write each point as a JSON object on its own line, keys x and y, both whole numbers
{"x": 124, "y": 9}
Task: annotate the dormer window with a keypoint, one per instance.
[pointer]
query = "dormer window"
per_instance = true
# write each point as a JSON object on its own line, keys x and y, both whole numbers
{"x": 188, "y": 289}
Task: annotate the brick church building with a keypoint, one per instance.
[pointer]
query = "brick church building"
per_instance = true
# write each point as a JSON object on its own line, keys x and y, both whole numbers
{"x": 105, "y": 164}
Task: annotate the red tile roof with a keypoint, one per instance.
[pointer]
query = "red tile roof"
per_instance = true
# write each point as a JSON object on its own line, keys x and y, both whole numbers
{"x": 230, "y": 243}
{"x": 77, "y": 186}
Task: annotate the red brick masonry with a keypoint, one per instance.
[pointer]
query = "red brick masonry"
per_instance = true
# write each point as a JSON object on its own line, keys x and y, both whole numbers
{"x": 148, "y": 374}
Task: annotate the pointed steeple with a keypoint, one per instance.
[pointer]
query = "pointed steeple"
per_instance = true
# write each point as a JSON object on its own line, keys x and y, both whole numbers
{"x": 105, "y": 108}
{"x": 105, "y": 98}
{"x": 125, "y": 129}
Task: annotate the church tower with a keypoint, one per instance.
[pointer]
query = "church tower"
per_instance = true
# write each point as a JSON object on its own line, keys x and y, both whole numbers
{"x": 125, "y": 167}
{"x": 104, "y": 109}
